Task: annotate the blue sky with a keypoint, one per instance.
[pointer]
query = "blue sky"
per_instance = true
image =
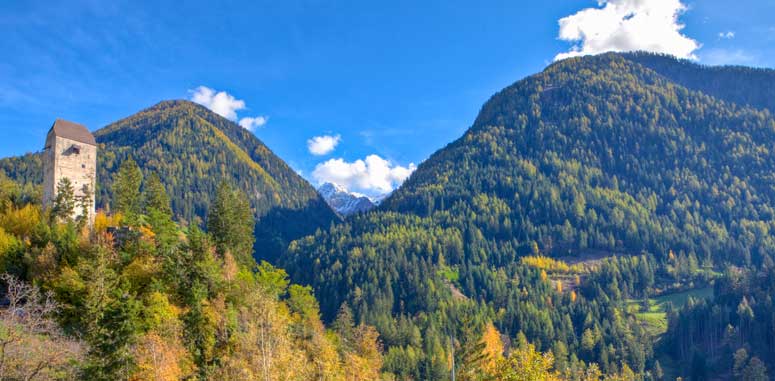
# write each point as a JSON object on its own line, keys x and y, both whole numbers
{"x": 382, "y": 85}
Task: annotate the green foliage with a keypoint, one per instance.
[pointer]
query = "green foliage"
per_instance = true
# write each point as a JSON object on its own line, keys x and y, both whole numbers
{"x": 727, "y": 330}
{"x": 231, "y": 224}
{"x": 111, "y": 336}
{"x": 156, "y": 197}
{"x": 126, "y": 189}
{"x": 595, "y": 157}
{"x": 146, "y": 301}
{"x": 193, "y": 150}
{"x": 63, "y": 207}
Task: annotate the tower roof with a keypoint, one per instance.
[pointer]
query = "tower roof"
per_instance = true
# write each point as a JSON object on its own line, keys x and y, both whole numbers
{"x": 72, "y": 131}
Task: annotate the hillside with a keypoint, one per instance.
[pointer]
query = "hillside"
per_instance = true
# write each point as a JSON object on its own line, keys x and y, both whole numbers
{"x": 628, "y": 159}
{"x": 192, "y": 150}
{"x": 592, "y": 157}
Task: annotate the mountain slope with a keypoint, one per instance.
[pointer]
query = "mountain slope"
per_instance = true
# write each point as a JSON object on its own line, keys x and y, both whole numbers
{"x": 343, "y": 201}
{"x": 745, "y": 86}
{"x": 594, "y": 157}
{"x": 618, "y": 152}
{"x": 192, "y": 150}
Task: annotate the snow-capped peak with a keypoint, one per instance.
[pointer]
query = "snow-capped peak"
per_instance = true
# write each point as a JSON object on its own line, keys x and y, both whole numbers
{"x": 344, "y": 201}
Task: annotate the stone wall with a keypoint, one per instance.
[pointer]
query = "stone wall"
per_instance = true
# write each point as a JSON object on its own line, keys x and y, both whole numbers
{"x": 71, "y": 159}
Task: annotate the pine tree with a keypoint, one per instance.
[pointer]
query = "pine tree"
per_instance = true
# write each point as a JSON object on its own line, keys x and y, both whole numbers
{"x": 156, "y": 197}
{"x": 84, "y": 202}
{"x": 64, "y": 203}
{"x": 159, "y": 212}
{"x": 126, "y": 189}
{"x": 231, "y": 224}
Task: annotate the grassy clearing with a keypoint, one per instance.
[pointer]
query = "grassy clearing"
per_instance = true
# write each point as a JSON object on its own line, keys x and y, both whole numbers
{"x": 654, "y": 317}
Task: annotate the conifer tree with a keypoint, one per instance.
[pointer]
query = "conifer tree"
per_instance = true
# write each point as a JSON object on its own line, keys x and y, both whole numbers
{"x": 64, "y": 203}
{"x": 231, "y": 224}
{"x": 156, "y": 197}
{"x": 126, "y": 189}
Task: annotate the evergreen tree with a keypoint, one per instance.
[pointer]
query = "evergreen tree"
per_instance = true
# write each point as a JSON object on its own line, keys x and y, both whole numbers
{"x": 231, "y": 224}
{"x": 156, "y": 197}
{"x": 126, "y": 189}
{"x": 111, "y": 338}
{"x": 64, "y": 202}
{"x": 159, "y": 213}
{"x": 84, "y": 201}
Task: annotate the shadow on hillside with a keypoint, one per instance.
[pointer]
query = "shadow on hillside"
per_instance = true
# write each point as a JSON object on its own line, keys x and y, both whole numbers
{"x": 276, "y": 229}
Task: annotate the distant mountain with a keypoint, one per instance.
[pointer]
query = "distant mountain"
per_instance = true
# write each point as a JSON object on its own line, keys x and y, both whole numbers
{"x": 344, "y": 201}
{"x": 192, "y": 150}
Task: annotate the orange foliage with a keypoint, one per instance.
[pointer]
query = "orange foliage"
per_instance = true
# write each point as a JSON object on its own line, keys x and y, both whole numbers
{"x": 160, "y": 359}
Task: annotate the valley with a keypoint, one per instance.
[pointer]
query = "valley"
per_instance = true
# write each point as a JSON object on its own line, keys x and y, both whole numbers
{"x": 611, "y": 215}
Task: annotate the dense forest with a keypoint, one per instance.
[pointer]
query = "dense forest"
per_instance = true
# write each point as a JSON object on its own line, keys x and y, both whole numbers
{"x": 581, "y": 208}
{"x": 138, "y": 297}
{"x": 609, "y": 218}
{"x": 192, "y": 150}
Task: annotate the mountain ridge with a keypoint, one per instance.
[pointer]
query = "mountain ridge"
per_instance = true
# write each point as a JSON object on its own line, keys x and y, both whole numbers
{"x": 593, "y": 156}
{"x": 193, "y": 149}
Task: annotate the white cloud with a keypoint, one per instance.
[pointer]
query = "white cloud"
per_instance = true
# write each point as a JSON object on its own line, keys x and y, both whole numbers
{"x": 225, "y": 105}
{"x": 628, "y": 25}
{"x": 251, "y": 123}
{"x": 220, "y": 102}
{"x": 727, "y": 35}
{"x": 372, "y": 176}
{"x": 321, "y": 145}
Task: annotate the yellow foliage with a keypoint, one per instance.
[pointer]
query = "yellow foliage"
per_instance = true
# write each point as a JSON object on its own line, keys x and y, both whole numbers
{"x": 573, "y": 296}
{"x": 160, "y": 314}
{"x": 103, "y": 221}
{"x": 161, "y": 358}
{"x": 559, "y": 287}
{"x": 365, "y": 362}
{"x": 493, "y": 347}
{"x": 7, "y": 242}
{"x": 20, "y": 222}
{"x": 548, "y": 264}
{"x": 141, "y": 271}
{"x": 527, "y": 364}
{"x": 146, "y": 232}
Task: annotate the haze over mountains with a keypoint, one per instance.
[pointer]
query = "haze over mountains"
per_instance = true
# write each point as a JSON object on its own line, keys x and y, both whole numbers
{"x": 581, "y": 200}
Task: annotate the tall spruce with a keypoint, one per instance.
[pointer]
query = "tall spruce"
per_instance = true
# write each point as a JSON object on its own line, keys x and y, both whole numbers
{"x": 126, "y": 188}
{"x": 231, "y": 224}
{"x": 156, "y": 196}
{"x": 64, "y": 202}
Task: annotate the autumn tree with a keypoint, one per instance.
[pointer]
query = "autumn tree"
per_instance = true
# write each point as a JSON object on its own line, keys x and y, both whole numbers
{"x": 32, "y": 346}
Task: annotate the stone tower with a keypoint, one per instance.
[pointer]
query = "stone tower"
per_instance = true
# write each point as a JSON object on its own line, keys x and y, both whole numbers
{"x": 70, "y": 152}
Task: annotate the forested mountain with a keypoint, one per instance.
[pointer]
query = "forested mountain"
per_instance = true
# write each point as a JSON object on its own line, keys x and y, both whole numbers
{"x": 609, "y": 218}
{"x": 192, "y": 150}
{"x": 742, "y": 85}
{"x": 600, "y": 182}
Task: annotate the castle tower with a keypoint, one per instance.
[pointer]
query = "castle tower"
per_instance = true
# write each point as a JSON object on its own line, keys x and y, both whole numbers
{"x": 70, "y": 152}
